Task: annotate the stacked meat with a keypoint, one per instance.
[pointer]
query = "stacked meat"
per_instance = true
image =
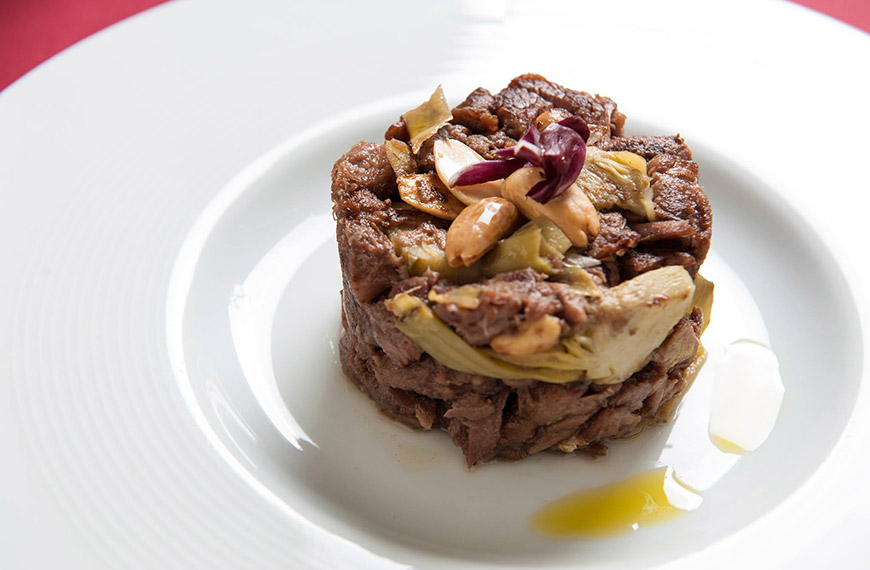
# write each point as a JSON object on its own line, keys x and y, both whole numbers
{"x": 514, "y": 417}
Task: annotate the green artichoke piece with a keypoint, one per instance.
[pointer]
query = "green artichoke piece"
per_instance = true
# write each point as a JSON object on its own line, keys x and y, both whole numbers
{"x": 417, "y": 320}
{"x": 703, "y": 298}
{"x": 630, "y": 321}
{"x": 400, "y": 157}
{"x": 574, "y": 273}
{"x": 539, "y": 244}
{"x": 466, "y": 297}
{"x": 617, "y": 180}
{"x": 554, "y": 242}
{"x": 425, "y": 120}
{"x": 428, "y": 255}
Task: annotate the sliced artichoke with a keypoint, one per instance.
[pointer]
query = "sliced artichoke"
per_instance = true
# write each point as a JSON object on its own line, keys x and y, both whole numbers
{"x": 417, "y": 320}
{"x": 421, "y": 255}
{"x": 400, "y": 157}
{"x": 574, "y": 273}
{"x": 426, "y": 193}
{"x": 629, "y": 322}
{"x": 539, "y": 244}
{"x": 703, "y": 298}
{"x": 424, "y": 121}
{"x": 617, "y": 180}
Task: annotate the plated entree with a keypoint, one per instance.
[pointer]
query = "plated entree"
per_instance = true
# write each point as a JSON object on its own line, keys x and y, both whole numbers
{"x": 520, "y": 272}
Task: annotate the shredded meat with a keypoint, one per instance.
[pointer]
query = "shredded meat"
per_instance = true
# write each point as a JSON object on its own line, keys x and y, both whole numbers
{"x": 490, "y": 417}
{"x": 509, "y": 299}
{"x": 614, "y": 238}
{"x": 477, "y": 112}
{"x": 650, "y": 147}
{"x": 517, "y": 108}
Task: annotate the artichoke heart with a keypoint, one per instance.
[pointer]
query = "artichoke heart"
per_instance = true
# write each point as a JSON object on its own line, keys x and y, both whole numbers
{"x": 630, "y": 321}
{"x": 633, "y": 319}
{"x": 539, "y": 244}
{"x": 426, "y": 193}
{"x": 424, "y": 121}
{"x": 434, "y": 336}
{"x": 703, "y": 298}
{"x": 427, "y": 254}
{"x": 574, "y": 273}
{"x": 400, "y": 157}
{"x": 617, "y": 179}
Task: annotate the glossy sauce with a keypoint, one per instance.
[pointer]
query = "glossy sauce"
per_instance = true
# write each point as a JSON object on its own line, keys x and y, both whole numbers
{"x": 618, "y": 508}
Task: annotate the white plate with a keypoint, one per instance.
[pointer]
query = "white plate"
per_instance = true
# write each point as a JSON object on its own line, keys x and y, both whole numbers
{"x": 147, "y": 190}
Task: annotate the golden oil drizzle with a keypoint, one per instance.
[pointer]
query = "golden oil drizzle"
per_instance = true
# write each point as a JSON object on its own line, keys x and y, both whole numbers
{"x": 618, "y": 508}
{"x": 726, "y": 446}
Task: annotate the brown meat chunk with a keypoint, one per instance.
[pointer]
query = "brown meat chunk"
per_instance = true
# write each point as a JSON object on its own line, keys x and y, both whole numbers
{"x": 373, "y": 265}
{"x": 609, "y": 423}
{"x": 484, "y": 145}
{"x": 398, "y": 130}
{"x": 507, "y": 300}
{"x": 364, "y": 166}
{"x": 681, "y": 346}
{"x": 614, "y": 238}
{"x": 425, "y": 376}
{"x": 475, "y": 424}
{"x": 410, "y": 408}
{"x": 678, "y": 196}
{"x": 377, "y": 325}
{"x": 517, "y": 108}
{"x": 636, "y": 262}
{"x": 650, "y": 147}
{"x": 668, "y": 229}
{"x": 477, "y": 112}
{"x": 595, "y": 110}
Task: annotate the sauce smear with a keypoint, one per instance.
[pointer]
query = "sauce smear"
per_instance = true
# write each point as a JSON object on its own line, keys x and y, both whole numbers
{"x": 617, "y": 508}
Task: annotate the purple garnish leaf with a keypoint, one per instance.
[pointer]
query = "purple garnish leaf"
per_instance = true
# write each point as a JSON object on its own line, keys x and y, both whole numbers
{"x": 560, "y": 151}
{"x": 528, "y": 147}
{"x": 531, "y": 136}
{"x": 525, "y": 150}
{"x": 578, "y": 125}
{"x": 562, "y": 160}
{"x": 543, "y": 191}
{"x": 487, "y": 171}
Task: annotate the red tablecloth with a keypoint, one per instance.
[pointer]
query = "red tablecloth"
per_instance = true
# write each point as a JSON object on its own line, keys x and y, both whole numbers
{"x": 31, "y": 31}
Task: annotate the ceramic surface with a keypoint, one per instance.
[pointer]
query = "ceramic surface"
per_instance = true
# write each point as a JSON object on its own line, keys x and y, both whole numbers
{"x": 174, "y": 399}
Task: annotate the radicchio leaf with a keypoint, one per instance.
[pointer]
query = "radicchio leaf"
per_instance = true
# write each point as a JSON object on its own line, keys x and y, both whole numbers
{"x": 560, "y": 151}
{"x": 577, "y": 124}
{"x": 527, "y": 148}
{"x": 488, "y": 170}
{"x": 562, "y": 161}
